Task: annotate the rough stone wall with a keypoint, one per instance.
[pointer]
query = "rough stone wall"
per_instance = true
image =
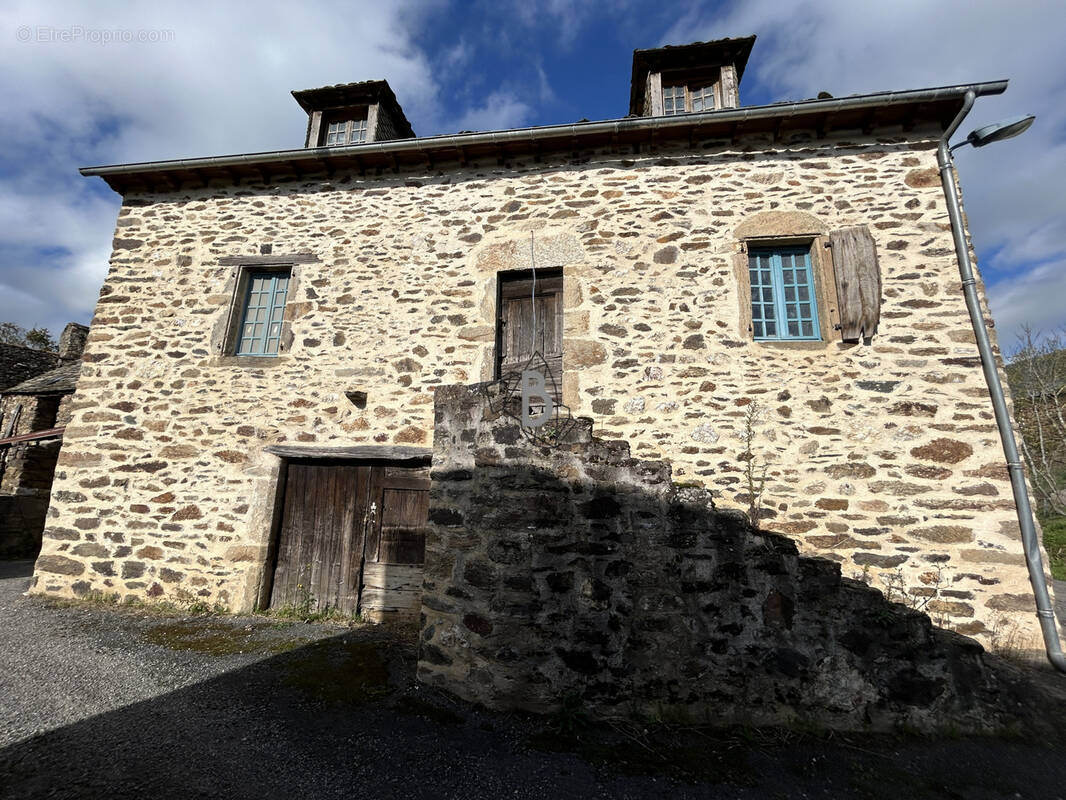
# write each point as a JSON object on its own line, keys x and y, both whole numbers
{"x": 883, "y": 456}
{"x": 581, "y": 572}
{"x": 19, "y": 363}
{"x": 26, "y": 471}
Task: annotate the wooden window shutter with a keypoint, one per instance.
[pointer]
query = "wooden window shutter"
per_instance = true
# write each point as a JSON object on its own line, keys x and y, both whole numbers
{"x": 858, "y": 279}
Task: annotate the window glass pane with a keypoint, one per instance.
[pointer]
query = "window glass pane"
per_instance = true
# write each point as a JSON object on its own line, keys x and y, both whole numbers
{"x": 335, "y": 133}
{"x": 782, "y": 298}
{"x": 702, "y": 98}
{"x": 673, "y": 100}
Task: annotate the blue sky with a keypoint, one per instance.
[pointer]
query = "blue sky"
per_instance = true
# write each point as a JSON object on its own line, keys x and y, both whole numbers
{"x": 109, "y": 82}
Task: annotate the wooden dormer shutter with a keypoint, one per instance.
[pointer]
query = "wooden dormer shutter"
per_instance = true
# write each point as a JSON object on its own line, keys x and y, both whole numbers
{"x": 858, "y": 279}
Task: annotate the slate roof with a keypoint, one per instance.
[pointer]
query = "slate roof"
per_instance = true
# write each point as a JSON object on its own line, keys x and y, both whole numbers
{"x": 60, "y": 380}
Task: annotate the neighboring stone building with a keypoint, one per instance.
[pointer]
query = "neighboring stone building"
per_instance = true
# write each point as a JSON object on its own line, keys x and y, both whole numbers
{"x": 33, "y": 414}
{"x": 254, "y": 418}
{"x": 17, "y": 363}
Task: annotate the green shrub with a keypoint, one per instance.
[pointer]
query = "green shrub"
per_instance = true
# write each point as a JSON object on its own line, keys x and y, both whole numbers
{"x": 1055, "y": 544}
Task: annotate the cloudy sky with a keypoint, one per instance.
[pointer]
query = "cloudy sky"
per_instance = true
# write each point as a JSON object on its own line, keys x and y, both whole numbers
{"x": 89, "y": 83}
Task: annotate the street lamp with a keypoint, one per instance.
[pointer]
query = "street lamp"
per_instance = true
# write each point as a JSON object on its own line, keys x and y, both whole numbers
{"x": 997, "y": 131}
{"x": 1030, "y": 543}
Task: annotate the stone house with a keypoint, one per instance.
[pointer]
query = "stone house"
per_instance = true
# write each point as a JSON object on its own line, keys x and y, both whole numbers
{"x": 33, "y": 414}
{"x": 17, "y": 363}
{"x": 732, "y": 289}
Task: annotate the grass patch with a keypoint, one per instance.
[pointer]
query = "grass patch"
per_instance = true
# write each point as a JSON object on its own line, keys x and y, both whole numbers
{"x": 217, "y": 639}
{"x": 339, "y": 671}
{"x": 304, "y": 613}
{"x": 1055, "y": 544}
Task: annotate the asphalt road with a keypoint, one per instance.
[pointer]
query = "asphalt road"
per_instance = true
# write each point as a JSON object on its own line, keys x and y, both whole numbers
{"x": 98, "y": 702}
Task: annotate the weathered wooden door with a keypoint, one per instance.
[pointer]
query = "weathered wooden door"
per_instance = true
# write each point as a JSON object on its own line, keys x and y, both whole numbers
{"x": 338, "y": 517}
{"x": 396, "y": 541}
{"x": 532, "y": 322}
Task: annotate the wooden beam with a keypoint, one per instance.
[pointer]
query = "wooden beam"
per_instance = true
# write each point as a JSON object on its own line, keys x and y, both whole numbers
{"x": 267, "y": 261}
{"x": 361, "y": 452}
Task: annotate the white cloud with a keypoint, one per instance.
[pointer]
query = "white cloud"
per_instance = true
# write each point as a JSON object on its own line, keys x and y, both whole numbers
{"x": 502, "y": 109}
{"x": 218, "y": 83}
{"x": 1013, "y": 190}
{"x": 1034, "y": 298}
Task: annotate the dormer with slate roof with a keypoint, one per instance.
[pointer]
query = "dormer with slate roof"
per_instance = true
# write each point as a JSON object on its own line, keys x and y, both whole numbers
{"x": 703, "y": 76}
{"x": 352, "y": 113}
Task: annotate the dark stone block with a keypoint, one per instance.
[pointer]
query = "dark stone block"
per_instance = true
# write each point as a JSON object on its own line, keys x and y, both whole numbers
{"x": 434, "y": 655}
{"x": 789, "y": 662}
{"x": 580, "y": 661}
{"x": 445, "y": 516}
{"x": 560, "y": 581}
{"x": 479, "y": 574}
{"x": 913, "y": 689}
{"x": 477, "y": 624}
{"x": 885, "y": 387}
{"x": 448, "y": 476}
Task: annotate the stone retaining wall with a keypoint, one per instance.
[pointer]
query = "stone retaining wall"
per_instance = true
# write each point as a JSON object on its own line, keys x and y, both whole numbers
{"x": 883, "y": 456}
{"x": 579, "y": 574}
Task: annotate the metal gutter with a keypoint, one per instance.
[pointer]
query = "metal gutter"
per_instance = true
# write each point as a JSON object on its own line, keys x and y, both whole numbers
{"x": 430, "y": 144}
{"x": 1030, "y": 541}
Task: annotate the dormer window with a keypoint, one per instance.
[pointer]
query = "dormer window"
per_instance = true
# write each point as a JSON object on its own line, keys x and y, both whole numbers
{"x": 691, "y": 78}
{"x": 680, "y": 99}
{"x": 346, "y": 131}
{"x": 352, "y": 113}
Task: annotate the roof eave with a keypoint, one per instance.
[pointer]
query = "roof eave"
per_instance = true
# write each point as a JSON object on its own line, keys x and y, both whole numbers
{"x": 308, "y": 160}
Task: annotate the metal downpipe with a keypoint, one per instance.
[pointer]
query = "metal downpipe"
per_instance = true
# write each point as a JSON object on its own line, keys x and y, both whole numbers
{"x": 1030, "y": 542}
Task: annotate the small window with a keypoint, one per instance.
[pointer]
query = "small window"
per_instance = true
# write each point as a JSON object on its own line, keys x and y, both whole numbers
{"x": 346, "y": 131}
{"x": 702, "y": 98}
{"x": 673, "y": 100}
{"x": 264, "y": 310}
{"x": 783, "y": 305}
{"x": 681, "y": 99}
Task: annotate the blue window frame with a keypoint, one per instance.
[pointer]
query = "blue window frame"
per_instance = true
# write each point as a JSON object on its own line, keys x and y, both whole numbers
{"x": 783, "y": 305}
{"x": 264, "y": 309}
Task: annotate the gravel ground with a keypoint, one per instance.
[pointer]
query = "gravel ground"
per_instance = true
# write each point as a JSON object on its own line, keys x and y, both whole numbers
{"x": 100, "y": 702}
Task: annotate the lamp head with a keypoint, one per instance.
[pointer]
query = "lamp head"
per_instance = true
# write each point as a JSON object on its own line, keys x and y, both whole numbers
{"x": 1005, "y": 129}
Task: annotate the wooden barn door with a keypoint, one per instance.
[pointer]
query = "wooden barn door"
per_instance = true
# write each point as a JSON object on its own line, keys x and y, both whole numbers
{"x": 328, "y": 511}
{"x": 523, "y": 332}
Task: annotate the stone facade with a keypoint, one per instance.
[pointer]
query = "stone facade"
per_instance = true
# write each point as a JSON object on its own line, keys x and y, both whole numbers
{"x": 883, "y": 456}
{"x": 578, "y": 571}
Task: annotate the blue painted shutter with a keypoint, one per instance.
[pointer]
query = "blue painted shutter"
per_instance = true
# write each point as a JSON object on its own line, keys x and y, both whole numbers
{"x": 263, "y": 313}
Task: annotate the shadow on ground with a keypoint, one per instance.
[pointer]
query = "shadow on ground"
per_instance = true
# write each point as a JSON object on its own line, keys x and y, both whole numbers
{"x": 341, "y": 717}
